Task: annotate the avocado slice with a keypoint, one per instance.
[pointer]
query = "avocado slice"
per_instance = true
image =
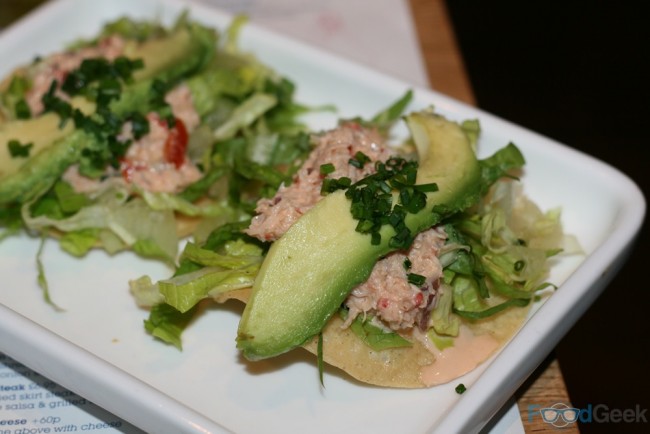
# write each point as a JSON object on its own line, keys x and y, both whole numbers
{"x": 180, "y": 53}
{"x": 41, "y": 132}
{"x": 36, "y": 174}
{"x": 311, "y": 269}
{"x": 54, "y": 148}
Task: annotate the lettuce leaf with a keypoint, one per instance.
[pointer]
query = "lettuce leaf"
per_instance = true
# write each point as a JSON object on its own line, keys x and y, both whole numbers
{"x": 132, "y": 222}
{"x": 374, "y": 336}
{"x": 225, "y": 262}
{"x": 167, "y": 324}
{"x": 443, "y": 322}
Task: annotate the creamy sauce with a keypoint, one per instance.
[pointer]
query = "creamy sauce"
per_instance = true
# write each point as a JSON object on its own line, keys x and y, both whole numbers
{"x": 469, "y": 351}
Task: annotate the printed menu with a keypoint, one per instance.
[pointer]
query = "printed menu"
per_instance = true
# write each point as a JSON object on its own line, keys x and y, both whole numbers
{"x": 33, "y": 404}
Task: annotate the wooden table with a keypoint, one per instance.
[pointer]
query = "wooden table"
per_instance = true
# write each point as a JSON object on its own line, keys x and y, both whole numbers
{"x": 447, "y": 74}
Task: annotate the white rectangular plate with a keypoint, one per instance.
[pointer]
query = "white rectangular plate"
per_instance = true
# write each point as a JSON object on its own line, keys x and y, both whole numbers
{"x": 98, "y": 347}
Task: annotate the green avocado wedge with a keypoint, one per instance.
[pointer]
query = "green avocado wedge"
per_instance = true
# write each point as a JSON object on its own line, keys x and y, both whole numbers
{"x": 312, "y": 268}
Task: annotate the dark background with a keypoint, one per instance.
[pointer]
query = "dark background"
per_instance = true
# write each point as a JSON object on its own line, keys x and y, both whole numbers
{"x": 578, "y": 72}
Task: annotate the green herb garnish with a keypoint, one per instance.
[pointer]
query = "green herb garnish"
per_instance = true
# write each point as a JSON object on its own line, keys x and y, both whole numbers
{"x": 359, "y": 160}
{"x": 331, "y": 185}
{"x": 416, "y": 279}
{"x": 372, "y": 199}
{"x": 99, "y": 79}
{"x": 52, "y": 103}
{"x": 22, "y": 109}
{"x": 158, "y": 91}
{"x": 17, "y": 149}
{"x": 326, "y": 169}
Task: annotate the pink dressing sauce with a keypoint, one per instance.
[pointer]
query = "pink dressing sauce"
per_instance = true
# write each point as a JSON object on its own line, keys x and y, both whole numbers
{"x": 469, "y": 351}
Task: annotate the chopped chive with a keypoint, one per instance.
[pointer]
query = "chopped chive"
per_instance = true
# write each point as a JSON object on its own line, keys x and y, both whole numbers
{"x": 139, "y": 125}
{"x": 359, "y": 160}
{"x": 460, "y": 389}
{"x": 415, "y": 279}
{"x": 331, "y": 185}
{"x": 426, "y": 188}
{"x": 372, "y": 197}
{"x": 99, "y": 80}
{"x": 17, "y": 149}
{"x": 364, "y": 226}
{"x": 402, "y": 239}
{"x": 158, "y": 91}
{"x": 53, "y": 103}
{"x": 22, "y": 109}
{"x": 326, "y": 169}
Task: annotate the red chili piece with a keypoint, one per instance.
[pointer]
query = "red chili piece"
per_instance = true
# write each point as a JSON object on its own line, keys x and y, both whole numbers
{"x": 383, "y": 303}
{"x": 176, "y": 144}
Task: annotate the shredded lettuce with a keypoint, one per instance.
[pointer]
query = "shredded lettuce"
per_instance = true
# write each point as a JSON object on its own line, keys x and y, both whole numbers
{"x": 185, "y": 291}
{"x": 238, "y": 254}
{"x": 232, "y": 266}
{"x": 10, "y": 221}
{"x": 226, "y": 261}
{"x": 79, "y": 243}
{"x": 386, "y": 119}
{"x": 13, "y": 97}
{"x": 146, "y": 293}
{"x": 374, "y": 336}
{"x": 443, "y": 322}
{"x": 440, "y": 341}
{"x": 172, "y": 202}
{"x": 500, "y": 248}
{"x": 41, "y": 278}
{"x": 244, "y": 115}
{"x": 167, "y": 324}
{"x": 502, "y": 163}
{"x": 132, "y": 223}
